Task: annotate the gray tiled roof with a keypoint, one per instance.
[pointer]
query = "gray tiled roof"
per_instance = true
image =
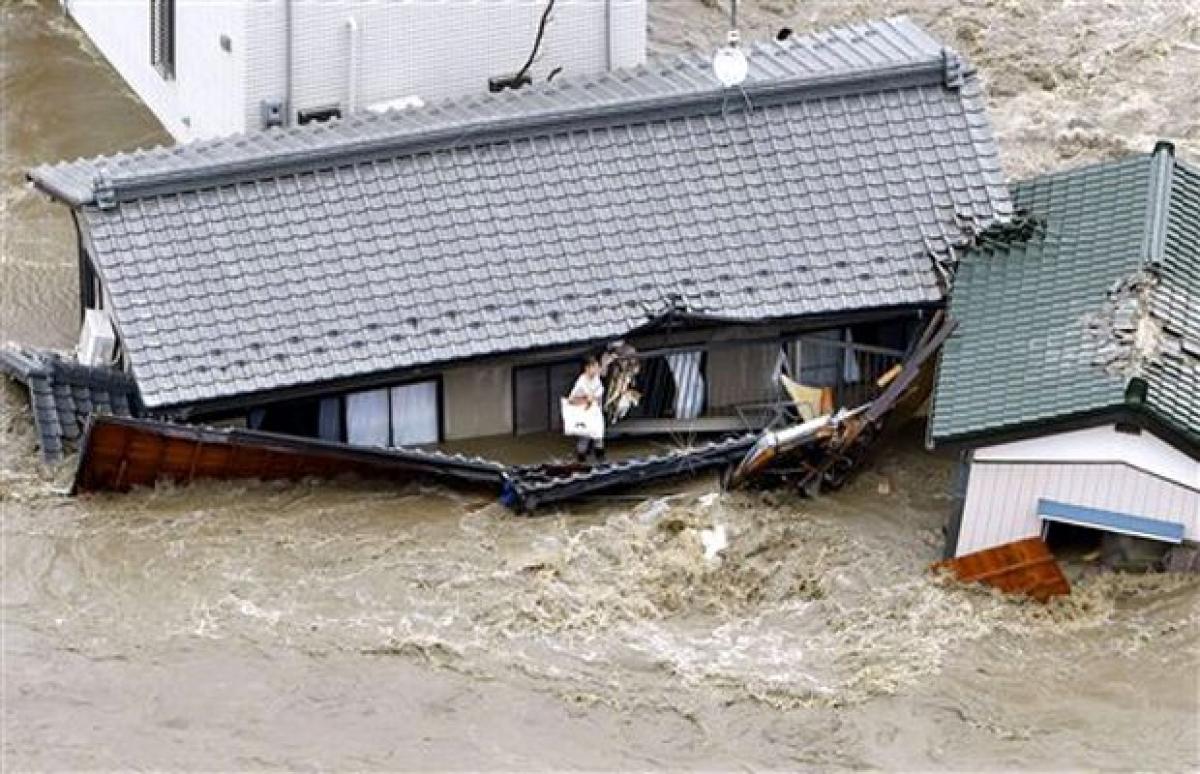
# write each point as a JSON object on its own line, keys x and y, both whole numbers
{"x": 851, "y": 160}
{"x": 1048, "y": 319}
{"x": 63, "y": 395}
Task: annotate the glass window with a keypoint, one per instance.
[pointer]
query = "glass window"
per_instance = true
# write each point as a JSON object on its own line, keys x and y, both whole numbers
{"x": 405, "y": 415}
{"x": 368, "y": 418}
{"x": 415, "y": 414}
{"x": 687, "y": 369}
{"x": 162, "y": 37}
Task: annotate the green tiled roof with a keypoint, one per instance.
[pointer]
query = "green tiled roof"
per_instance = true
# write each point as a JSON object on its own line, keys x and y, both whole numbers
{"x": 1049, "y": 311}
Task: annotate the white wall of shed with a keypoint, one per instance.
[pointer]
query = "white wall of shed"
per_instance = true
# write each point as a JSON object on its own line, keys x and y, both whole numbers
{"x": 434, "y": 49}
{"x": 1001, "y": 500}
{"x": 1101, "y": 444}
{"x": 206, "y": 96}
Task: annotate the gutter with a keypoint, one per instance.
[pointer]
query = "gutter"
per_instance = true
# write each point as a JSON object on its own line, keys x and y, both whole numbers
{"x": 1142, "y": 417}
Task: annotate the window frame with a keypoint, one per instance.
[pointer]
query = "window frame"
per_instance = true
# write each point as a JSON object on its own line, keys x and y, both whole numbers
{"x": 545, "y": 368}
{"x": 441, "y": 408}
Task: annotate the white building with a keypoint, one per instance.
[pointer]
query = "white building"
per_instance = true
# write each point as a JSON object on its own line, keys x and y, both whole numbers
{"x": 1098, "y": 477}
{"x": 209, "y": 68}
{"x": 1073, "y": 381}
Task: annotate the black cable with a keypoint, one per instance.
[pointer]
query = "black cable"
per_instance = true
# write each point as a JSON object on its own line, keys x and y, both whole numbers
{"x": 537, "y": 43}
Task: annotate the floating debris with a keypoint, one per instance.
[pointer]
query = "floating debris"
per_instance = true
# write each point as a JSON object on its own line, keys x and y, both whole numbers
{"x": 119, "y": 453}
{"x": 1024, "y": 567}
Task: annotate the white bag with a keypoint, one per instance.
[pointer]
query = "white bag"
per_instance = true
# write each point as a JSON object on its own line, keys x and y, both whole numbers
{"x": 582, "y": 421}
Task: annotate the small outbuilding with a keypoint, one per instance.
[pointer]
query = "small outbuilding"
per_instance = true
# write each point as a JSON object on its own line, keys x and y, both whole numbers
{"x": 1072, "y": 383}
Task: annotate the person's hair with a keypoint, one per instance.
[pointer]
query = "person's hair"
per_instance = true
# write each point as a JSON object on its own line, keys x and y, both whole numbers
{"x": 590, "y": 361}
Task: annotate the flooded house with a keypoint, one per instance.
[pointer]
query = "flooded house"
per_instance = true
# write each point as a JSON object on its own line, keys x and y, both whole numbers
{"x": 207, "y": 69}
{"x": 437, "y": 273}
{"x": 1073, "y": 380}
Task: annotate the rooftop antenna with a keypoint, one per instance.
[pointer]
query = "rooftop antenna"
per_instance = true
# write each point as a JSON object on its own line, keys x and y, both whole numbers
{"x": 730, "y": 64}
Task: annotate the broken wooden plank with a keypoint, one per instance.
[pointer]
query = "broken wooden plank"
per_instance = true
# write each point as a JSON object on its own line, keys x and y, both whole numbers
{"x": 1024, "y": 567}
{"x": 119, "y": 453}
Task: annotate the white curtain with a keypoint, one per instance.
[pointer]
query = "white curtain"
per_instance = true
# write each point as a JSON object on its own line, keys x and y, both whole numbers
{"x": 415, "y": 414}
{"x": 689, "y": 384}
{"x": 367, "y": 418}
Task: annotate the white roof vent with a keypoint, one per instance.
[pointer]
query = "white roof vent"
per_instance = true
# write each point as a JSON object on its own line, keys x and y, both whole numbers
{"x": 400, "y": 103}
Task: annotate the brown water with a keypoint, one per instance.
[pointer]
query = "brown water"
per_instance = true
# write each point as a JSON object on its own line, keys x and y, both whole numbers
{"x": 351, "y": 626}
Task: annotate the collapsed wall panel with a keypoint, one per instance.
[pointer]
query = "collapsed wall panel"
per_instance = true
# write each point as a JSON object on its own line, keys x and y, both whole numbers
{"x": 1023, "y": 567}
{"x": 121, "y": 453}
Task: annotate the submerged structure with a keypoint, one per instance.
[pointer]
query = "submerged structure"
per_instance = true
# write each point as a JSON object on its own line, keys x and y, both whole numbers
{"x": 436, "y": 273}
{"x": 1073, "y": 381}
{"x": 208, "y": 69}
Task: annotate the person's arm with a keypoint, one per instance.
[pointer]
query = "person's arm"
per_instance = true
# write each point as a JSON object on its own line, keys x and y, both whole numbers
{"x": 579, "y": 394}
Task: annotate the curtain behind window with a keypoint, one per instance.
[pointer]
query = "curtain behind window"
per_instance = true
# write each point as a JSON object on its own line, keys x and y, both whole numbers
{"x": 689, "y": 384}
{"x": 367, "y": 418}
{"x": 415, "y": 414}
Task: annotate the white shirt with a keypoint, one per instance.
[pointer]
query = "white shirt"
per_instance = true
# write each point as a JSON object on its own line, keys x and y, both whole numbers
{"x": 591, "y": 387}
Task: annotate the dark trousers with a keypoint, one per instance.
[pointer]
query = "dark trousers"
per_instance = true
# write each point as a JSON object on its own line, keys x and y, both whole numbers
{"x": 585, "y": 446}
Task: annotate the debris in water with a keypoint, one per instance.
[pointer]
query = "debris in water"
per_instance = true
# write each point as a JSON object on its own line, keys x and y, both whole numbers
{"x": 715, "y": 541}
{"x": 1024, "y": 567}
{"x": 121, "y": 452}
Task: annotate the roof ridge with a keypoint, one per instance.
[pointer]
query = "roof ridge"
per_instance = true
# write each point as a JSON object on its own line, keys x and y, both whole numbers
{"x": 855, "y": 58}
{"x": 109, "y": 188}
{"x": 1158, "y": 202}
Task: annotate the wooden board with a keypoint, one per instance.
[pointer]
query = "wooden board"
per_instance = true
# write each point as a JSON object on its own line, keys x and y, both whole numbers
{"x": 120, "y": 453}
{"x": 1023, "y": 567}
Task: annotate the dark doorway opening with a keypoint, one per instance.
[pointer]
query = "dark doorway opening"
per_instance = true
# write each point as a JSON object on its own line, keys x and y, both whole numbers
{"x": 1071, "y": 540}
{"x": 300, "y": 417}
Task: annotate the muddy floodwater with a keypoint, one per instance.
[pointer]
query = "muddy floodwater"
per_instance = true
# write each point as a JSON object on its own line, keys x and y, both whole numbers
{"x": 354, "y": 626}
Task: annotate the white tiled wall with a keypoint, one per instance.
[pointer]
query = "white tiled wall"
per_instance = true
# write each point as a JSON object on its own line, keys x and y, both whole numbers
{"x": 434, "y": 49}
{"x": 206, "y": 97}
{"x": 430, "y": 48}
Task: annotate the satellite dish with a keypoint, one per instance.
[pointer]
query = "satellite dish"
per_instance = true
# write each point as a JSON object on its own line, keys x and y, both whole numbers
{"x": 730, "y": 65}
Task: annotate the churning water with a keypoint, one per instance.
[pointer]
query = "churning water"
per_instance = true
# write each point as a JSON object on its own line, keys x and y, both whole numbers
{"x": 357, "y": 626}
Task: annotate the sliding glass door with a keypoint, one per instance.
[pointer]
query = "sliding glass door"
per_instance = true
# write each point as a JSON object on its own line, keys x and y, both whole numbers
{"x": 405, "y": 415}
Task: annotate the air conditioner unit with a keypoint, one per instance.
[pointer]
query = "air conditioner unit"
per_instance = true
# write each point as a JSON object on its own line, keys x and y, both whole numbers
{"x": 97, "y": 339}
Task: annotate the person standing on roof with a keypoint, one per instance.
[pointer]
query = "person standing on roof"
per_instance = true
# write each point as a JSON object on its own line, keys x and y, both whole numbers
{"x": 588, "y": 393}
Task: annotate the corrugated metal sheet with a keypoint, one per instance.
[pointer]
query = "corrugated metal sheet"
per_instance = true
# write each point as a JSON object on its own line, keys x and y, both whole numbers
{"x": 1002, "y": 498}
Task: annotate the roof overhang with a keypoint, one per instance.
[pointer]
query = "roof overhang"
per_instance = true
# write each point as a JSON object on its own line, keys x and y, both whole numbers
{"x": 226, "y": 406}
{"x": 1122, "y": 414}
{"x": 1110, "y": 521}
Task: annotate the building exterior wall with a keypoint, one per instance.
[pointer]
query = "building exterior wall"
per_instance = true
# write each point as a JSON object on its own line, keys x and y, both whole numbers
{"x": 433, "y": 49}
{"x": 477, "y": 401}
{"x": 1101, "y": 444}
{"x": 1006, "y": 481}
{"x": 205, "y": 97}
{"x": 742, "y": 374}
